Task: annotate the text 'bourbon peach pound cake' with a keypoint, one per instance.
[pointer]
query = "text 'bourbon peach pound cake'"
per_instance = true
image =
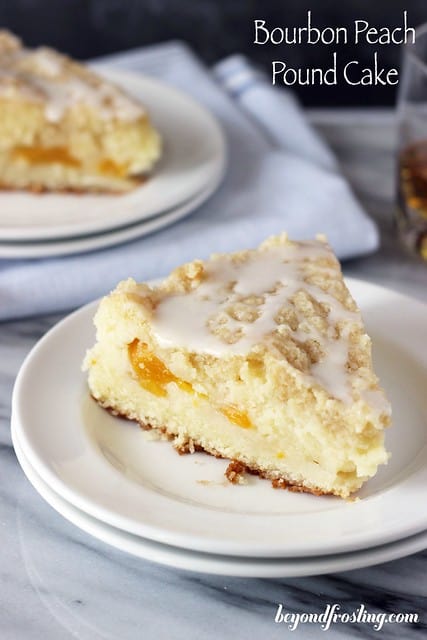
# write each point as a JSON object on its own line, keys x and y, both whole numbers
{"x": 64, "y": 128}
{"x": 258, "y": 356}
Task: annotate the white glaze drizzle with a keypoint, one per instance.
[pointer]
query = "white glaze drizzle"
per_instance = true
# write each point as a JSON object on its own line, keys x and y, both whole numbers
{"x": 46, "y": 76}
{"x": 183, "y": 319}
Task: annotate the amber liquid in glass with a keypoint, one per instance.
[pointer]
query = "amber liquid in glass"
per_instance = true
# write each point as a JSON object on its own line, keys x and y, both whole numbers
{"x": 412, "y": 197}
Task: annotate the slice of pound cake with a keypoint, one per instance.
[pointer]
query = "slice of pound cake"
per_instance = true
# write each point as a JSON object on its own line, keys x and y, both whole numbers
{"x": 259, "y": 356}
{"x": 64, "y": 128}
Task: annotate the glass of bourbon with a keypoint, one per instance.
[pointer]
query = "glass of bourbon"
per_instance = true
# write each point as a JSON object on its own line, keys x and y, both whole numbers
{"x": 411, "y": 210}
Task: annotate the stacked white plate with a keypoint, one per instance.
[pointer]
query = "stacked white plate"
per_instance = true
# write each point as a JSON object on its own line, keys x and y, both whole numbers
{"x": 105, "y": 476}
{"x": 190, "y": 170}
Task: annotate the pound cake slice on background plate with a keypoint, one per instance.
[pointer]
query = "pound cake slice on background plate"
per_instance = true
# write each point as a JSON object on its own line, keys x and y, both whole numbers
{"x": 63, "y": 127}
{"x": 258, "y": 356}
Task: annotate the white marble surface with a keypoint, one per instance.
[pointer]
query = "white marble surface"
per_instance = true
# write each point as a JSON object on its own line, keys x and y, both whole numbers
{"x": 58, "y": 583}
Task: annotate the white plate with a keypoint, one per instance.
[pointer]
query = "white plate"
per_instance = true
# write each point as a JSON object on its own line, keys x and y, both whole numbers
{"x": 105, "y": 466}
{"x": 211, "y": 563}
{"x": 194, "y": 156}
{"x": 20, "y": 250}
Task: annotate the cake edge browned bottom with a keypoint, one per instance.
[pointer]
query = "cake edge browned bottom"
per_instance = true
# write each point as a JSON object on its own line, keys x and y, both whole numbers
{"x": 235, "y": 469}
{"x": 37, "y": 188}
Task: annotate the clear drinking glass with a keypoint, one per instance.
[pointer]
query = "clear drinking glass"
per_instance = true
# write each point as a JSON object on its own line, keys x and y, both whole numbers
{"x": 411, "y": 211}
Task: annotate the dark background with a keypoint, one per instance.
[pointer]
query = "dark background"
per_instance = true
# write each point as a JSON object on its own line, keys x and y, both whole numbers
{"x": 216, "y": 28}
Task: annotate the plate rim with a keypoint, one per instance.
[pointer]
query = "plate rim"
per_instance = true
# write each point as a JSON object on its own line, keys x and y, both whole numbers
{"x": 187, "y": 560}
{"x": 113, "y": 237}
{"x": 152, "y": 531}
{"x": 125, "y": 79}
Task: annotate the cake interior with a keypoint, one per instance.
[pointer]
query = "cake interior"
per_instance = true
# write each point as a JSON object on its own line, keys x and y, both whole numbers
{"x": 82, "y": 154}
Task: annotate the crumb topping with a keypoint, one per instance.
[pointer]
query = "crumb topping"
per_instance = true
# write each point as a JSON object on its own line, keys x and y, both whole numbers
{"x": 54, "y": 80}
{"x": 288, "y": 295}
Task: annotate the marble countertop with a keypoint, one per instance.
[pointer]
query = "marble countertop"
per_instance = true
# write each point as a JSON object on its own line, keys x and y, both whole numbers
{"x": 58, "y": 582}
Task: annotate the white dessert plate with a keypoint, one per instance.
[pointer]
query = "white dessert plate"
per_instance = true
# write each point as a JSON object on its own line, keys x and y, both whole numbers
{"x": 211, "y": 563}
{"x": 107, "y": 468}
{"x": 194, "y": 155}
{"x": 82, "y": 244}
